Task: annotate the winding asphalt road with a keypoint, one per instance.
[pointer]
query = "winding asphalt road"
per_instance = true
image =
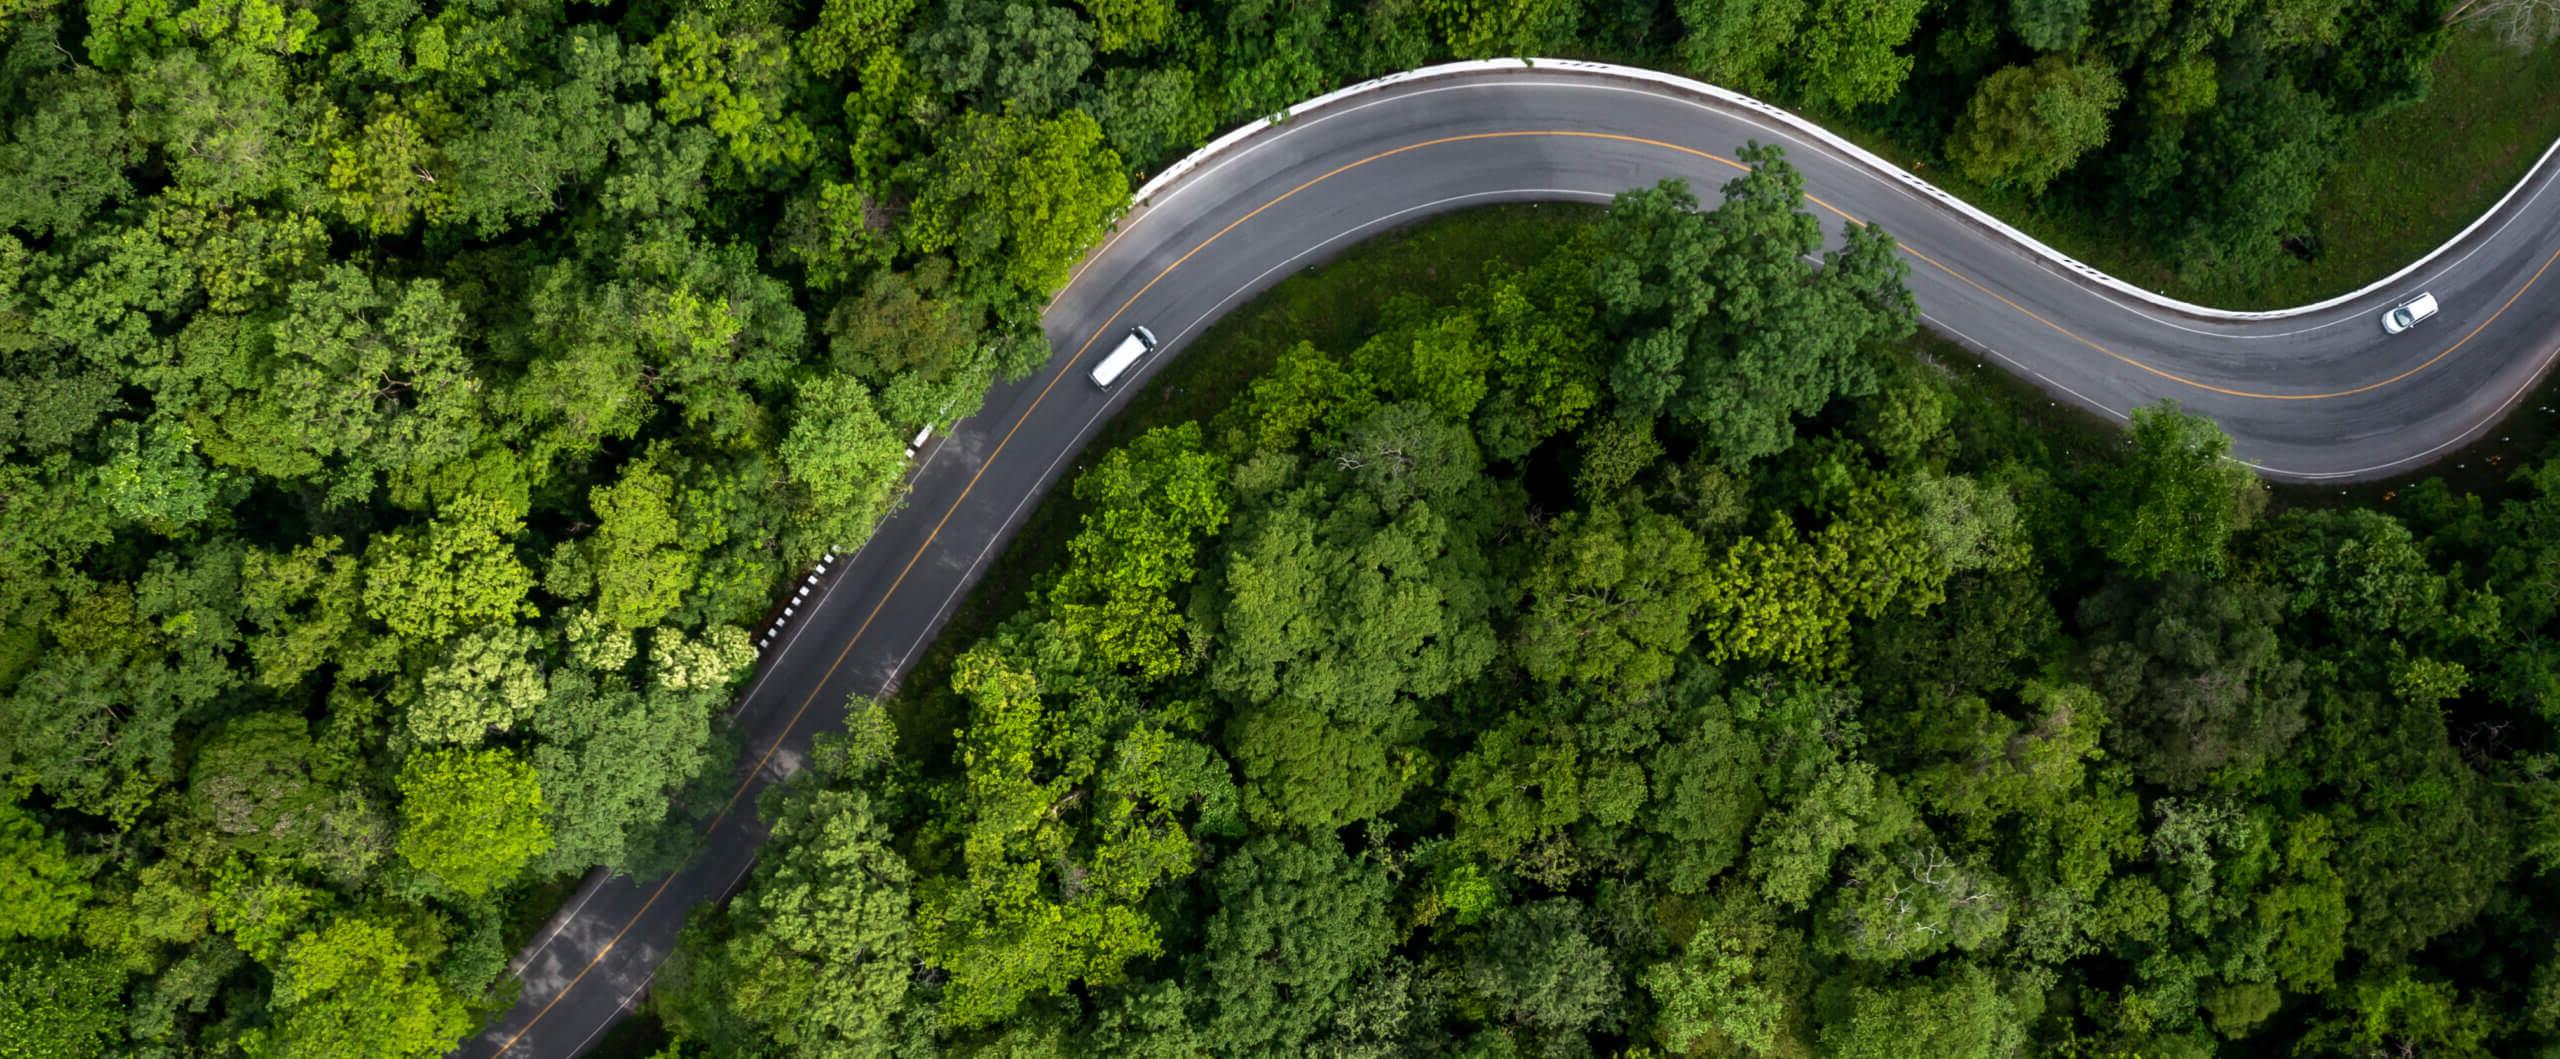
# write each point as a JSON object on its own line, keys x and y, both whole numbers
{"x": 2316, "y": 395}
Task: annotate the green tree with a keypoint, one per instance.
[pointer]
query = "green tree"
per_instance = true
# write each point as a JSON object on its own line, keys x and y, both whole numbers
{"x": 1011, "y": 56}
{"x": 483, "y": 683}
{"x": 1614, "y": 602}
{"x": 361, "y": 376}
{"x": 1538, "y": 965}
{"x": 2248, "y": 180}
{"x": 1959, "y": 1013}
{"x": 521, "y": 147}
{"x": 355, "y": 988}
{"x": 844, "y": 465}
{"x": 1846, "y": 50}
{"x": 716, "y": 334}
{"x": 2197, "y": 677}
{"x": 41, "y": 885}
{"x": 1149, "y": 115}
{"x": 1706, "y": 793}
{"x": 1738, "y": 368}
{"x": 735, "y": 74}
{"x": 919, "y": 344}
{"x": 470, "y": 819}
{"x": 1989, "y": 763}
{"x": 1518, "y": 785}
{"x": 2397, "y": 1010}
{"x": 1914, "y": 900}
{"x": 67, "y": 157}
{"x": 642, "y": 568}
{"x": 1014, "y": 199}
{"x": 57, "y": 1005}
{"x": 257, "y": 782}
{"x": 815, "y": 954}
{"x": 1737, "y": 42}
{"x": 1334, "y": 622}
{"x": 1297, "y": 923}
{"x": 1148, "y": 505}
{"x": 388, "y": 169}
{"x": 849, "y": 31}
{"x": 2050, "y": 25}
{"x": 308, "y": 609}
{"x": 1846, "y": 804}
{"x": 1478, "y": 29}
{"x": 1051, "y": 892}
{"x": 154, "y": 476}
{"x": 2026, "y": 125}
{"x": 455, "y": 573}
{"x": 2175, "y": 501}
{"x": 1129, "y": 25}
{"x": 1712, "y": 994}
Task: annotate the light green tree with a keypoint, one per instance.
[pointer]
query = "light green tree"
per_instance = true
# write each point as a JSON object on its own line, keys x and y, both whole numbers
{"x": 41, "y": 884}
{"x": 737, "y": 76}
{"x": 355, "y": 989}
{"x": 471, "y": 819}
{"x": 1148, "y": 506}
{"x": 642, "y": 567}
{"x": 455, "y": 573}
{"x": 55, "y": 1005}
{"x": 484, "y": 683}
{"x": 1612, "y": 605}
{"x": 1710, "y": 993}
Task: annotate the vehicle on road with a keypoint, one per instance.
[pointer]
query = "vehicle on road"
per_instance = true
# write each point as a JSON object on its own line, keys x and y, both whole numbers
{"x": 1125, "y": 356}
{"x": 2408, "y": 314}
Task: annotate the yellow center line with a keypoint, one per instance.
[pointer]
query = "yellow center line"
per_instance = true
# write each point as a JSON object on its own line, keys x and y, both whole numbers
{"x": 855, "y": 640}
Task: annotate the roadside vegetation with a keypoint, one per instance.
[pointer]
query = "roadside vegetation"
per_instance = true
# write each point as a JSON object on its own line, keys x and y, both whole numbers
{"x": 2488, "y": 115}
{"x": 408, "y": 409}
{"x": 1555, "y": 671}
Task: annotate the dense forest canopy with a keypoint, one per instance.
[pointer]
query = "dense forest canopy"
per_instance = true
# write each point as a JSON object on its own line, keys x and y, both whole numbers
{"x": 1570, "y": 670}
{"x": 406, "y": 407}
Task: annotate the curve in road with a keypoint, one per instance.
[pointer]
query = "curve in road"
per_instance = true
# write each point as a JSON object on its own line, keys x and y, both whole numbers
{"x": 2313, "y": 393}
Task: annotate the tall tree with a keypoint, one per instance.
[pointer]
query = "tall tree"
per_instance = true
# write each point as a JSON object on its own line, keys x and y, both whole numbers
{"x": 2026, "y": 125}
{"x": 1298, "y": 921}
{"x": 470, "y": 819}
{"x": 1614, "y": 603}
{"x": 1148, "y": 503}
{"x": 1014, "y": 199}
{"x": 355, "y": 988}
{"x": 2173, "y": 506}
{"x": 1739, "y": 369}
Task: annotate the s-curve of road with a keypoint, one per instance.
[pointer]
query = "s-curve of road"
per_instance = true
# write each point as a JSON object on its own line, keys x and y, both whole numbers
{"x": 2313, "y": 394}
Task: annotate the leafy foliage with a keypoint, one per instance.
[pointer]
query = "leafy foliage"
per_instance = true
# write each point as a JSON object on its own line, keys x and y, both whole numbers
{"x": 1365, "y": 721}
{"x": 407, "y": 408}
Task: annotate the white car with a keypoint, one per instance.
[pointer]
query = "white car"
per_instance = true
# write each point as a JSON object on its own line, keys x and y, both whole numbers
{"x": 2407, "y": 314}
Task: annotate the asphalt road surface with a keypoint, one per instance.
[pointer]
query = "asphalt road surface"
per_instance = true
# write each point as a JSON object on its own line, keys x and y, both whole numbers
{"x": 2317, "y": 396}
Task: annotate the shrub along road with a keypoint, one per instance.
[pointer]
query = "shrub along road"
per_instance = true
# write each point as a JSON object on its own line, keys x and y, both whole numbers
{"x": 2314, "y": 395}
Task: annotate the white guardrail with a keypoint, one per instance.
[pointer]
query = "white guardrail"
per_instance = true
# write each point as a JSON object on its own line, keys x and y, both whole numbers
{"x": 1176, "y": 172}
